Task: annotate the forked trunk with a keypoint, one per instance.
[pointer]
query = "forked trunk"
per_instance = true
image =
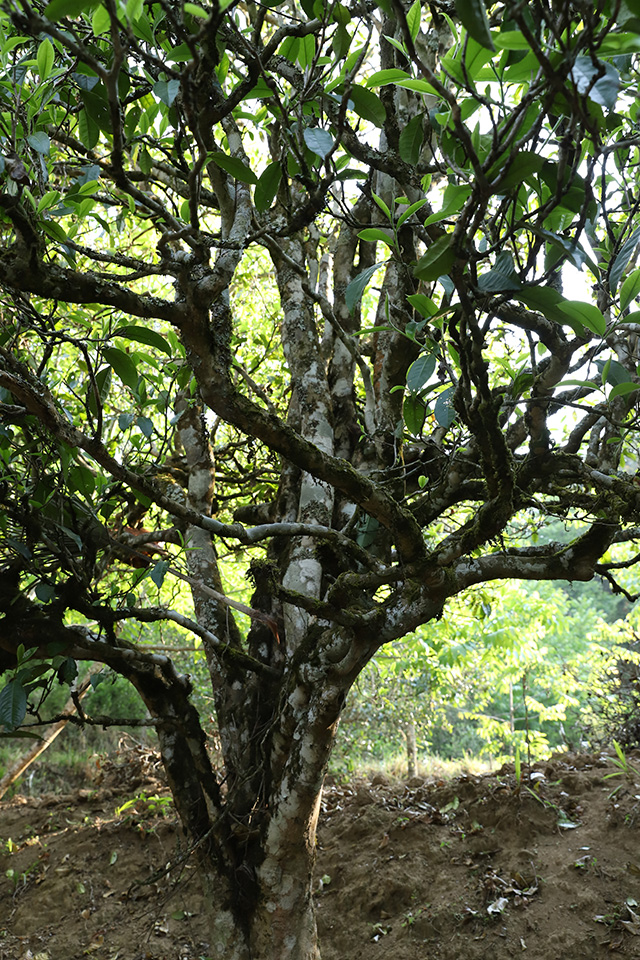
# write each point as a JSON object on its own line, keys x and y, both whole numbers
{"x": 253, "y": 832}
{"x": 282, "y": 925}
{"x": 266, "y": 913}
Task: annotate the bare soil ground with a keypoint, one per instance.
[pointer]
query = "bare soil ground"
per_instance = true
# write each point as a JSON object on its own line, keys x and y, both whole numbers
{"x": 545, "y": 866}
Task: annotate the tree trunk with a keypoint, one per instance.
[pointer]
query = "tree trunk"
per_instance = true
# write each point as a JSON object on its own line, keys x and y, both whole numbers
{"x": 258, "y": 887}
{"x": 283, "y": 926}
{"x": 255, "y": 848}
{"x": 412, "y": 748}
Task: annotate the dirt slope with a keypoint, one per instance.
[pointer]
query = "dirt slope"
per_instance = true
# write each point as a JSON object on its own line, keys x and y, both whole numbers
{"x": 487, "y": 867}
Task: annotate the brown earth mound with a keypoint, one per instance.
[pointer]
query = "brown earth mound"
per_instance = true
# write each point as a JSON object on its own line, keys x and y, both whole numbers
{"x": 546, "y": 865}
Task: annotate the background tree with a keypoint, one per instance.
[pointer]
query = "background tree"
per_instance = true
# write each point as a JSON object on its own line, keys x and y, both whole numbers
{"x": 283, "y": 285}
{"x": 511, "y": 667}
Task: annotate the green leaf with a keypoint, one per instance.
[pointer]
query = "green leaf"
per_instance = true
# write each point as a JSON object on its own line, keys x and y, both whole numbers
{"x": 73, "y": 536}
{"x": 546, "y": 300}
{"x": 180, "y": 54}
{"x": 382, "y": 77}
{"x": 267, "y": 186}
{"x": 465, "y": 63}
{"x": 340, "y": 14}
{"x": 31, "y": 673}
{"x": 125, "y": 420}
{"x": 45, "y": 592}
{"x": 630, "y": 289}
{"x": 341, "y": 41}
{"x": 196, "y": 11}
{"x": 613, "y": 372}
{"x": 419, "y": 86}
{"x": 444, "y": 411}
{"x": 23, "y": 654}
{"x": 411, "y": 140}
{"x": 81, "y": 480}
{"x": 88, "y": 130}
{"x": 601, "y": 89}
{"x": 473, "y": 17}
{"x": 573, "y": 198}
{"x": 617, "y": 44}
{"x": 159, "y": 572}
{"x": 122, "y": 365}
{"x": 437, "y": 261}
{"x": 379, "y": 202}
{"x": 398, "y": 45}
{"x": 58, "y": 9}
{"x": 558, "y": 248}
{"x": 289, "y": 48}
{"x": 166, "y": 90}
{"x": 48, "y": 200}
{"x": 586, "y": 314}
{"x": 424, "y": 305}
{"x": 96, "y": 104}
{"x": 355, "y": 289}
{"x": 414, "y": 413}
{"x": 367, "y": 105}
{"x": 522, "y": 166}
{"x": 455, "y": 197}
{"x": 306, "y": 51}
{"x": 142, "y": 28}
{"x": 511, "y": 40}
{"x": 373, "y": 234}
{"x": 413, "y": 208}
{"x": 39, "y": 142}
{"x": 621, "y": 259}
{"x": 103, "y": 385}
{"x": 144, "y": 335}
{"x": 588, "y": 384}
{"x": 55, "y": 231}
{"x": 234, "y": 167}
{"x": 13, "y": 704}
{"x": 502, "y": 277}
{"x": 420, "y": 372}
{"x": 45, "y": 58}
{"x": 624, "y": 388}
{"x": 67, "y": 671}
{"x": 318, "y": 140}
{"x": 367, "y": 531}
{"x": 413, "y": 19}
{"x": 100, "y": 21}
{"x": 145, "y": 425}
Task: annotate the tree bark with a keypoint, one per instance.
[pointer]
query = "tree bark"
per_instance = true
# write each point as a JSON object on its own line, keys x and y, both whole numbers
{"x": 257, "y": 864}
{"x": 412, "y": 749}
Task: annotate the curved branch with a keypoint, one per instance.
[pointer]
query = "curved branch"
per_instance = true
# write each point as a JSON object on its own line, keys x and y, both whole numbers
{"x": 224, "y": 651}
{"x": 552, "y": 561}
{"x": 37, "y": 400}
